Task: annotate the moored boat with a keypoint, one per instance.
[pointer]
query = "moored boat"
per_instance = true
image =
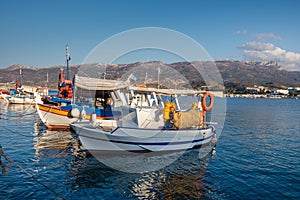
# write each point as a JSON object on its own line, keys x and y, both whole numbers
{"x": 60, "y": 117}
{"x": 59, "y": 112}
{"x": 140, "y": 139}
{"x": 22, "y": 98}
{"x": 158, "y": 126}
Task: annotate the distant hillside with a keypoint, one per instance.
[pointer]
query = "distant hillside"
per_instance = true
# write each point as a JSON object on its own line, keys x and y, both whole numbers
{"x": 251, "y": 73}
{"x": 234, "y": 73}
{"x": 17, "y": 67}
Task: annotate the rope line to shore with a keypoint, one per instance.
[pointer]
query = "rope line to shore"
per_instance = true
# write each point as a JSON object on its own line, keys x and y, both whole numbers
{"x": 30, "y": 175}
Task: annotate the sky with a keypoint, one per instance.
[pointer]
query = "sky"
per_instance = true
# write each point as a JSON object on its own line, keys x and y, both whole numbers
{"x": 35, "y": 33}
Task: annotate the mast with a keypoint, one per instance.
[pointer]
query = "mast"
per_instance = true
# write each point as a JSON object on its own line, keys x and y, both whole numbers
{"x": 47, "y": 81}
{"x": 146, "y": 77}
{"x": 21, "y": 77}
{"x": 158, "y": 73}
{"x": 68, "y": 58}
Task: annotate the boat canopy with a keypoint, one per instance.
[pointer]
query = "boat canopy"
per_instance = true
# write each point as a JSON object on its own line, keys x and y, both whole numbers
{"x": 89, "y": 83}
{"x": 167, "y": 91}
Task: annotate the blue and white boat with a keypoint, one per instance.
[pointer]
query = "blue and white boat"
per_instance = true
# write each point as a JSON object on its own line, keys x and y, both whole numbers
{"x": 149, "y": 125}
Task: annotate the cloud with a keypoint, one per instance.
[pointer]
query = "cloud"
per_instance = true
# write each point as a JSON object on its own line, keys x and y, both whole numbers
{"x": 241, "y": 32}
{"x": 267, "y": 51}
{"x": 263, "y": 36}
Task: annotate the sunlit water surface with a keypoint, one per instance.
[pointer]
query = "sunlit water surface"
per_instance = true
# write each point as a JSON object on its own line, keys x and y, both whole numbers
{"x": 257, "y": 157}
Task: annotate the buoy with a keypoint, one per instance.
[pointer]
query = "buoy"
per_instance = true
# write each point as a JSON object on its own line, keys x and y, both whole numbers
{"x": 204, "y": 106}
{"x": 75, "y": 113}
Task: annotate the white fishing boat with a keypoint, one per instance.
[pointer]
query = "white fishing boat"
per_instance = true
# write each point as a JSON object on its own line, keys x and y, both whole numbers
{"x": 149, "y": 124}
{"x": 22, "y": 99}
{"x": 21, "y": 96}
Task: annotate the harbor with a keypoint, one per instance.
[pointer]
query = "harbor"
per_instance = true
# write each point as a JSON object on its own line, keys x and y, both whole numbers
{"x": 248, "y": 157}
{"x": 158, "y": 100}
{"x": 169, "y": 140}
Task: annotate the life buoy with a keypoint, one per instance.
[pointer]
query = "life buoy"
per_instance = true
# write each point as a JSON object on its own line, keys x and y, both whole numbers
{"x": 203, "y": 102}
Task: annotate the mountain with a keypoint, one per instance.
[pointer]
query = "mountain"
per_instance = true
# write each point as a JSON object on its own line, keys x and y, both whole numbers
{"x": 234, "y": 73}
{"x": 18, "y": 66}
{"x": 249, "y": 73}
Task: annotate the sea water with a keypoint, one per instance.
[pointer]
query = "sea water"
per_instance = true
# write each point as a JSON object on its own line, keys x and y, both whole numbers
{"x": 257, "y": 157}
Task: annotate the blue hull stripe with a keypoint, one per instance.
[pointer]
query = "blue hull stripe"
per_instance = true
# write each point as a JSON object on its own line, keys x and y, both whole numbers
{"x": 150, "y": 143}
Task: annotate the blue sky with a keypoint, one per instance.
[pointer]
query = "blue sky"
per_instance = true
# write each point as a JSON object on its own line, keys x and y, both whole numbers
{"x": 34, "y": 33}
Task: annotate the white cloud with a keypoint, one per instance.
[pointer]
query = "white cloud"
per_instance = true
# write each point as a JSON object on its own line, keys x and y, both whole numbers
{"x": 262, "y": 36}
{"x": 241, "y": 32}
{"x": 267, "y": 51}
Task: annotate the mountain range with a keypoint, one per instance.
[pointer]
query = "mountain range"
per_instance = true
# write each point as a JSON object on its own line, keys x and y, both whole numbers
{"x": 234, "y": 73}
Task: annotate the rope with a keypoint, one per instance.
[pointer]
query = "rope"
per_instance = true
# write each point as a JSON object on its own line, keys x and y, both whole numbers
{"x": 11, "y": 161}
{"x": 30, "y": 175}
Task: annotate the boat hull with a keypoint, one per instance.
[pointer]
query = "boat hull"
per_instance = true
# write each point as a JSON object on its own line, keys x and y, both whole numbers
{"x": 55, "y": 117}
{"x": 124, "y": 139}
{"x": 20, "y": 100}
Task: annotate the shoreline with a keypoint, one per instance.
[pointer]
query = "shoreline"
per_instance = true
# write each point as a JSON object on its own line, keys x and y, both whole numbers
{"x": 256, "y": 96}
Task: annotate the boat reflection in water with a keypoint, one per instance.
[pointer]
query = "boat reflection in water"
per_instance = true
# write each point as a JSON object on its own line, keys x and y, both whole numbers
{"x": 56, "y": 143}
{"x": 21, "y": 109}
{"x": 186, "y": 178}
{"x": 17, "y": 113}
{"x": 177, "y": 186}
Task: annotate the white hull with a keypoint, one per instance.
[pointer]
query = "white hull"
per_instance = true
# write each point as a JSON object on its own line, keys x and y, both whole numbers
{"x": 140, "y": 139}
{"x": 20, "y": 100}
{"x": 53, "y": 121}
{"x": 55, "y": 118}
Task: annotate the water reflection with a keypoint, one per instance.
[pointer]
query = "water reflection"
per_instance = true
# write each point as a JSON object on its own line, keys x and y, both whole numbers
{"x": 55, "y": 143}
{"x": 171, "y": 186}
{"x": 20, "y": 109}
{"x": 186, "y": 178}
{"x": 18, "y": 113}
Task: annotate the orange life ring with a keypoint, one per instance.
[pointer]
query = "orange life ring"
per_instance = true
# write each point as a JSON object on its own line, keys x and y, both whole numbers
{"x": 203, "y": 102}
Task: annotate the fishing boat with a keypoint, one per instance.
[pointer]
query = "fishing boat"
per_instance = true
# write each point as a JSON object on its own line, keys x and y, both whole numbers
{"x": 20, "y": 96}
{"x": 61, "y": 116}
{"x": 150, "y": 124}
{"x": 60, "y": 113}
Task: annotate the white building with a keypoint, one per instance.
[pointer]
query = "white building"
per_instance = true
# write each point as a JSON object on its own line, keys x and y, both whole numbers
{"x": 280, "y": 91}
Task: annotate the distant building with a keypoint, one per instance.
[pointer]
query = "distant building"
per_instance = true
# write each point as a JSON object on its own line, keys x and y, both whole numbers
{"x": 294, "y": 89}
{"x": 280, "y": 91}
{"x": 258, "y": 89}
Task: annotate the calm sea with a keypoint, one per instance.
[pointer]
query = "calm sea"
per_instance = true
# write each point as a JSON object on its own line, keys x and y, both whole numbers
{"x": 257, "y": 157}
